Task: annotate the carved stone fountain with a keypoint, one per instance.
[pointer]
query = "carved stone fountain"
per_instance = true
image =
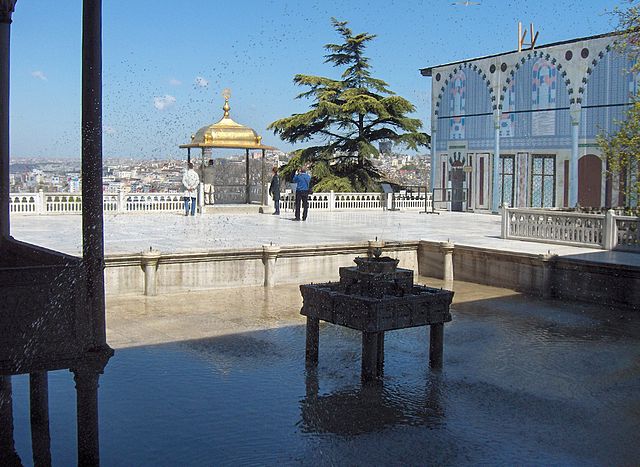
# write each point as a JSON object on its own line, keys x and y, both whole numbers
{"x": 373, "y": 297}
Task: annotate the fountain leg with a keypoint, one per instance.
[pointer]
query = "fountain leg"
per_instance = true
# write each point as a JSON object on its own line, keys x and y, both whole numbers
{"x": 313, "y": 336}
{"x": 87, "y": 415}
{"x": 371, "y": 355}
{"x": 8, "y": 454}
{"x": 380, "y": 366}
{"x": 39, "y": 405}
{"x": 436, "y": 344}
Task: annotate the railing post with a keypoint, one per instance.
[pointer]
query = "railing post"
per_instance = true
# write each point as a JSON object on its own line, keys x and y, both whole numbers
{"x": 149, "y": 260}
{"x": 389, "y": 201}
{"x": 610, "y": 239}
{"x": 504, "y": 231}
{"x": 447, "y": 250}
{"x": 332, "y": 201}
{"x": 122, "y": 205}
{"x": 269, "y": 257}
{"x": 41, "y": 203}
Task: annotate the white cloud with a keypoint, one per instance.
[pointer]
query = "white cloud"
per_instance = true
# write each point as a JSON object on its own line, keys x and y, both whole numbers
{"x": 201, "y": 82}
{"x": 175, "y": 82}
{"x": 39, "y": 74}
{"x": 164, "y": 102}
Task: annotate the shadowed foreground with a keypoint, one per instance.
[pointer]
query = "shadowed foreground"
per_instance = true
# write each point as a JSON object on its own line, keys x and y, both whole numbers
{"x": 218, "y": 377}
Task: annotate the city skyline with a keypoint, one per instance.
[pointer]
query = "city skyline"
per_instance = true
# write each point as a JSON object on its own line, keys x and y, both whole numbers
{"x": 165, "y": 68}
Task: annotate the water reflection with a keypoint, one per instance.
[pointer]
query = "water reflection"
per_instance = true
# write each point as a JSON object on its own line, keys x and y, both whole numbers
{"x": 370, "y": 408}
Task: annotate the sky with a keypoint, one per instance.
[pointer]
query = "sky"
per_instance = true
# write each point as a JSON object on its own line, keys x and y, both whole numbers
{"x": 166, "y": 63}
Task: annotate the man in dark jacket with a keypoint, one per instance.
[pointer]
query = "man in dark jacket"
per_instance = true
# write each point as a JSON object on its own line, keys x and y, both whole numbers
{"x": 274, "y": 190}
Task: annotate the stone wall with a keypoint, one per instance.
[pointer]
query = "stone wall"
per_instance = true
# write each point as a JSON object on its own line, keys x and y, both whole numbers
{"x": 548, "y": 276}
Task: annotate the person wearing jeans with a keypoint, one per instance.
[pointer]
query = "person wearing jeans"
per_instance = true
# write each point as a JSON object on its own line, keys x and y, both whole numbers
{"x": 302, "y": 180}
{"x": 274, "y": 190}
{"x": 190, "y": 180}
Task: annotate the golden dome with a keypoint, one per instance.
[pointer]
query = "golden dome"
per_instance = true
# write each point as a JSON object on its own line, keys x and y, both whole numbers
{"x": 225, "y": 134}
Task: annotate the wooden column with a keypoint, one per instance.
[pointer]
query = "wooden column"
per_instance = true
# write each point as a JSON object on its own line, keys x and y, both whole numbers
{"x": 92, "y": 216}
{"x": 39, "y": 410}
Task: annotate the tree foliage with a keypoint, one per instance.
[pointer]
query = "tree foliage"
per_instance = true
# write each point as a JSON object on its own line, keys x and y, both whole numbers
{"x": 621, "y": 148}
{"x": 347, "y": 117}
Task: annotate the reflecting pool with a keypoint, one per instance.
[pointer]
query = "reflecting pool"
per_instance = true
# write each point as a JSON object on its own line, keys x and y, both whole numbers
{"x": 524, "y": 382}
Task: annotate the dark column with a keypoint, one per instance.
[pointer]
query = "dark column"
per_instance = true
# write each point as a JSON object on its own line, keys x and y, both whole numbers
{"x": 188, "y": 155}
{"x": 6, "y": 9}
{"x": 370, "y": 355}
{"x": 380, "y": 366}
{"x": 8, "y": 454}
{"x": 313, "y": 338}
{"x": 248, "y": 193}
{"x": 87, "y": 415}
{"x": 263, "y": 193}
{"x": 92, "y": 218}
{"x": 436, "y": 344}
{"x": 39, "y": 409}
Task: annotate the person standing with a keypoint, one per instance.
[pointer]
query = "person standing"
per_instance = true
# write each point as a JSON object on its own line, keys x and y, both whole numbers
{"x": 274, "y": 190}
{"x": 190, "y": 180}
{"x": 302, "y": 180}
{"x": 207, "y": 182}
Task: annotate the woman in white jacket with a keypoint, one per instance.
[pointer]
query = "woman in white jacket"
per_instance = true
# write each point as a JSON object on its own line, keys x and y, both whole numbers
{"x": 190, "y": 180}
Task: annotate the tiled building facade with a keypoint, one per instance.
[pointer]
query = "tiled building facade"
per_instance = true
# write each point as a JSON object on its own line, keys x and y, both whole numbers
{"x": 522, "y": 125}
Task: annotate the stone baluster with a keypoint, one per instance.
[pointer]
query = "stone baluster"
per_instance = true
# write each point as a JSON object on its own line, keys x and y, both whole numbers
{"x": 269, "y": 258}
{"x": 547, "y": 274}
{"x": 447, "y": 250}
{"x": 504, "y": 231}
{"x": 150, "y": 261}
{"x": 610, "y": 237}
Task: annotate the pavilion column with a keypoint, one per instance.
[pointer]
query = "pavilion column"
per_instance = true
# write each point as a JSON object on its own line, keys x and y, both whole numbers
{"x": 8, "y": 454}
{"x": 573, "y": 163}
{"x": 39, "y": 414}
{"x": 495, "y": 191}
{"x": 263, "y": 193}
{"x": 6, "y": 9}
{"x": 87, "y": 415}
{"x": 434, "y": 162}
{"x": 248, "y": 189}
{"x": 92, "y": 216}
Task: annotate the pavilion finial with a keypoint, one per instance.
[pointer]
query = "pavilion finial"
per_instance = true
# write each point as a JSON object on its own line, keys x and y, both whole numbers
{"x": 226, "y": 93}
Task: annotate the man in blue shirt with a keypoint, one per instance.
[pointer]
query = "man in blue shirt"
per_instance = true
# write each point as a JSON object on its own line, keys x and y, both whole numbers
{"x": 302, "y": 181}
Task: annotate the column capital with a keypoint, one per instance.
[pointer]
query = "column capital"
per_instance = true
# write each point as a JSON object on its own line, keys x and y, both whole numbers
{"x": 574, "y": 112}
{"x": 7, "y": 7}
{"x": 497, "y": 114}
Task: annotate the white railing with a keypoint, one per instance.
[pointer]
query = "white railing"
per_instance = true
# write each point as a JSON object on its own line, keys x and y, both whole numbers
{"x": 332, "y": 201}
{"x": 607, "y": 231}
{"x": 71, "y": 203}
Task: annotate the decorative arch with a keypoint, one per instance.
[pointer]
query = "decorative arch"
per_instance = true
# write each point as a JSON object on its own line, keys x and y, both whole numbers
{"x": 535, "y": 54}
{"x": 456, "y": 85}
{"x": 465, "y": 66}
{"x": 585, "y": 79}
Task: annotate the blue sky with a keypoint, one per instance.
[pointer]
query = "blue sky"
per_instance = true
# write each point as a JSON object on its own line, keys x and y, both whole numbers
{"x": 166, "y": 62}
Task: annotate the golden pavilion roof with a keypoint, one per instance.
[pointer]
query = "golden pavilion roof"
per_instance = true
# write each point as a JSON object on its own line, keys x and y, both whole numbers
{"x": 226, "y": 133}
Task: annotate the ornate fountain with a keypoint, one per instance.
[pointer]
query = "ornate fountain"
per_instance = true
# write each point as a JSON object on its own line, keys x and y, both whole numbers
{"x": 373, "y": 297}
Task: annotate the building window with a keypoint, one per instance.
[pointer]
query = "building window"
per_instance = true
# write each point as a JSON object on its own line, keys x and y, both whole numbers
{"x": 506, "y": 169}
{"x": 543, "y": 181}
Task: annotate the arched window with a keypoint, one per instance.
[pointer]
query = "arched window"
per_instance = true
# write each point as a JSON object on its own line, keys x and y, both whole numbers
{"x": 457, "y": 105}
